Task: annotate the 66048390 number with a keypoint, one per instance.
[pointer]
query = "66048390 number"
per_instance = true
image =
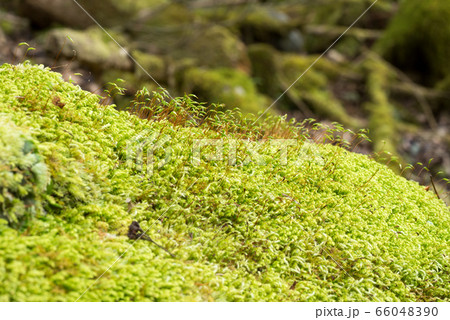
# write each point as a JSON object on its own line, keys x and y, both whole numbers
{"x": 406, "y": 311}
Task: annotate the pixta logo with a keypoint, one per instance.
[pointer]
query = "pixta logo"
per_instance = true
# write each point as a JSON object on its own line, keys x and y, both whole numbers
{"x": 140, "y": 152}
{"x": 150, "y": 151}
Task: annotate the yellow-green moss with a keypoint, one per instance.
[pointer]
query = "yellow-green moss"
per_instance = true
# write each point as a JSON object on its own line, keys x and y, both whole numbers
{"x": 344, "y": 227}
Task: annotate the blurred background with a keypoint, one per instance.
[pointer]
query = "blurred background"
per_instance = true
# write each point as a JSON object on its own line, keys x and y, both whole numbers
{"x": 390, "y": 73}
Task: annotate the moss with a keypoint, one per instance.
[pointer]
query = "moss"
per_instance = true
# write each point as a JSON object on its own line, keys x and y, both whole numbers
{"x": 153, "y": 64}
{"x": 177, "y": 32}
{"x": 91, "y": 47}
{"x": 266, "y": 24}
{"x": 444, "y": 84}
{"x": 382, "y": 122}
{"x": 228, "y": 86}
{"x": 267, "y": 18}
{"x": 324, "y": 70}
{"x": 263, "y": 23}
{"x": 344, "y": 12}
{"x": 214, "y": 47}
{"x": 326, "y": 105}
{"x": 23, "y": 176}
{"x": 170, "y": 14}
{"x": 336, "y": 13}
{"x": 137, "y": 6}
{"x": 183, "y": 37}
{"x": 264, "y": 62}
{"x": 127, "y": 81}
{"x": 109, "y": 13}
{"x": 313, "y": 86}
{"x": 417, "y": 38}
{"x": 134, "y": 81}
{"x": 324, "y": 22}
{"x": 344, "y": 227}
{"x": 275, "y": 72}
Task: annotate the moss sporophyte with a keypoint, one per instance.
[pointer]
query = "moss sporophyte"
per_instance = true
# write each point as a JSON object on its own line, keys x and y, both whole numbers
{"x": 333, "y": 226}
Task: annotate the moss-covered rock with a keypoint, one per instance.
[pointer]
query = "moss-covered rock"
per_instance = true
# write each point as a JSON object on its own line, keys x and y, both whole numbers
{"x": 265, "y": 67}
{"x": 274, "y": 72}
{"x": 259, "y": 24}
{"x": 231, "y": 87}
{"x": 108, "y": 13}
{"x": 214, "y": 47}
{"x": 313, "y": 86}
{"x": 210, "y": 46}
{"x": 163, "y": 30}
{"x": 169, "y": 15}
{"x": 339, "y": 225}
{"x": 417, "y": 39}
{"x": 176, "y": 32}
{"x": 152, "y": 64}
{"x": 264, "y": 24}
{"x": 382, "y": 122}
{"x": 323, "y": 23}
{"x": 91, "y": 47}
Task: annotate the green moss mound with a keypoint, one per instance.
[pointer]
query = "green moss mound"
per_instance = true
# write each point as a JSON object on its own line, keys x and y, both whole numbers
{"x": 329, "y": 226}
{"x": 23, "y": 175}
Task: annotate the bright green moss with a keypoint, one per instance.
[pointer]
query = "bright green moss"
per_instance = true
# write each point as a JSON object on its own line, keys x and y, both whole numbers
{"x": 23, "y": 175}
{"x": 343, "y": 226}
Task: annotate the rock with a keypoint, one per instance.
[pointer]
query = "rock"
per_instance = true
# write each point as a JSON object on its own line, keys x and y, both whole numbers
{"x": 91, "y": 47}
{"x": 152, "y": 64}
{"x": 173, "y": 14}
{"x": 10, "y": 5}
{"x": 260, "y": 22}
{"x": 43, "y": 13}
{"x": 292, "y": 66}
{"x": 162, "y": 30}
{"x": 268, "y": 25}
{"x": 312, "y": 89}
{"x": 214, "y": 47}
{"x": 229, "y": 86}
{"x": 264, "y": 62}
{"x": 5, "y": 48}
{"x": 12, "y": 25}
{"x": 3, "y": 41}
{"x": 174, "y": 32}
{"x": 293, "y": 42}
{"x": 417, "y": 39}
